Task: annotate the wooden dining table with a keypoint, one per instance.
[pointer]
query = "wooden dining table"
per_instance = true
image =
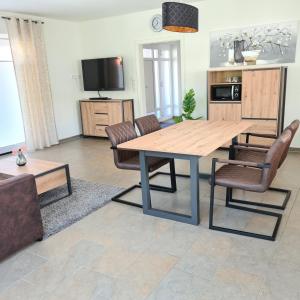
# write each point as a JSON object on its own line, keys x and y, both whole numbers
{"x": 189, "y": 140}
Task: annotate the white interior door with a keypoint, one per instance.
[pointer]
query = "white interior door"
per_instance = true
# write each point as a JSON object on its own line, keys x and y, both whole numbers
{"x": 149, "y": 86}
{"x": 164, "y": 61}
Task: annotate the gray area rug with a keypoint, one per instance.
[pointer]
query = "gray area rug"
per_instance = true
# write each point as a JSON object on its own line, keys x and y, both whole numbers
{"x": 86, "y": 198}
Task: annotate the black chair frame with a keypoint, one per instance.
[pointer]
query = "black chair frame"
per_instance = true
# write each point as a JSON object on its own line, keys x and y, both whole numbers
{"x": 153, "y": 187}
{"x": 278, "y": 216}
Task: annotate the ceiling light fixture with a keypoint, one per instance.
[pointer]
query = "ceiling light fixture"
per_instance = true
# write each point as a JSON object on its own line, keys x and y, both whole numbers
{"x": 179, "y": 17}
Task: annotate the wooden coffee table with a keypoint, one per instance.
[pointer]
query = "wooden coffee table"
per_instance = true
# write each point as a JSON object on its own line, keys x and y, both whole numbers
{"x": 48, "y": 174}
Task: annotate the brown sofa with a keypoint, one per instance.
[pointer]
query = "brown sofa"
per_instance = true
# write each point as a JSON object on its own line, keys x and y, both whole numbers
{"x": 20, "y": 216}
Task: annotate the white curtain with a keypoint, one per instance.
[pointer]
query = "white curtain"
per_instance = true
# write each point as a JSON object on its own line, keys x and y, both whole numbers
{"x": 30, "y": 61}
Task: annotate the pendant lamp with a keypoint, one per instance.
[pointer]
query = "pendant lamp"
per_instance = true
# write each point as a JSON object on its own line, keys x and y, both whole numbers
{"x": 179, "y": 17}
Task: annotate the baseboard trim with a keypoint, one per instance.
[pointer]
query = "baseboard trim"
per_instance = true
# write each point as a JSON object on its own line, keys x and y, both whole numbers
{"x": 71, "y": 138}
{"x": 294, "y": 149}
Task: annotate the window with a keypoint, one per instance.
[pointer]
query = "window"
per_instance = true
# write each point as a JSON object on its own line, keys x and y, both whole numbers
{"x": 11, "y": 123}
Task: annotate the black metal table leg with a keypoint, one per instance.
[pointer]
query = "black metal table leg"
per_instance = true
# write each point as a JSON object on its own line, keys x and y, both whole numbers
{"x": 69, "y": 184}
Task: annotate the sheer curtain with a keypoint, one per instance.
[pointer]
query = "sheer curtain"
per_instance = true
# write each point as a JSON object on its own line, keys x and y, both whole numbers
{"x": 30, "y": 62}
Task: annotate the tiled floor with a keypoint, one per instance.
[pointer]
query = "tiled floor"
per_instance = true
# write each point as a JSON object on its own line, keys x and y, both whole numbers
{"x": 119, "y": 253}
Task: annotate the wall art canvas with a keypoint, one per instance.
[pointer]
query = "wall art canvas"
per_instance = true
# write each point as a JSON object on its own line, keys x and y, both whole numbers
{"x": 261, "y": 44}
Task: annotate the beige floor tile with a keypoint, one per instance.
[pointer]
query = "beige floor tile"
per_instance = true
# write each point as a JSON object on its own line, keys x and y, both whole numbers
{"x": 282, "y": 282}
{"x": 84, "y": 284}
{"x": 57, "y": 269}
{"x": 179, "y": 285}
{"x": 236, "y": 284}
{"x": 144, "y": 274}
{"x": 23, "y": 290}
{"x": 16, "y": 267}
{"x": 176, "y": 240}
{"x": 119, "y": 253}
{"x": 212, "y": 244}
{"x": 288, "y": 249}
{"x": 114, "y": 260}
{"x": 58, "y": 244}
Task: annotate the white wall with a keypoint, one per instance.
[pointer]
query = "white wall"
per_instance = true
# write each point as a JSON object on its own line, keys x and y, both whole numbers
{"x": 63, "y": 45}
{"x": 121, "y": 35}
{"x": 69, "y": 42}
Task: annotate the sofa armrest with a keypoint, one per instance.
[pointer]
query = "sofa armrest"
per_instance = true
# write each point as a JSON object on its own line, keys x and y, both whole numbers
{"x": 20, "y": 216}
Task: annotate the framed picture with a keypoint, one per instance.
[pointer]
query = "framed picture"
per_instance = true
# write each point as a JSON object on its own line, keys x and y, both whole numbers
{"x": 262, "y": 44}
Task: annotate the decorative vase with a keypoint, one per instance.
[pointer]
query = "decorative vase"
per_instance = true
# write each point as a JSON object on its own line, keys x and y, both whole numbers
{"x": 239, "y": 46}
{"x": 21, "y": 159}
{"x": 231, "y": 56}
{"x": 250, "y": 57}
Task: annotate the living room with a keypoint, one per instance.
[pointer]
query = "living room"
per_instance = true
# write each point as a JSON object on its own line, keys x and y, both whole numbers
{"x": 85, "y": 246}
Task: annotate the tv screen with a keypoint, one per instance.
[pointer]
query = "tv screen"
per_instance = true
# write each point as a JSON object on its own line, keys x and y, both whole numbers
{"x": 103, "y": 74}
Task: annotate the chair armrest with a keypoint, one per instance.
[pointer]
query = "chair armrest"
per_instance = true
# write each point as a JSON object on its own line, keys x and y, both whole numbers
{"x": 257, "y": 149}
{"x": 262, "y": 135}
{"x": 254, "y": 145}
{"x": 242, "y": 163}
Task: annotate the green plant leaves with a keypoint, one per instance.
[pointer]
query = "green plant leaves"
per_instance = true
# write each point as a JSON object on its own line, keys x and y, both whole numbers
{"x": 188, "y": 106}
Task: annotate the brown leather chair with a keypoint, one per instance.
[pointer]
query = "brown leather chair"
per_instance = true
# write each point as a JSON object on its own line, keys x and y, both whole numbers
{"x": 129, "y": 160}
{"x": 257, "y": 153}
{"x": 20, "y": 216}
{"x": 147, "y": 124}
{"x": 248, "y": 176}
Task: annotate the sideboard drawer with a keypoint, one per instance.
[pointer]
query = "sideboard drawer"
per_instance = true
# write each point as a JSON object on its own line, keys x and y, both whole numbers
{"x": 100, "y": 108}
{"x": 100, "y": 130}
{"x": 100, "y": 119}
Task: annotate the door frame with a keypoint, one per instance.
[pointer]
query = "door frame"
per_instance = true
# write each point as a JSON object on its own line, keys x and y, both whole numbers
{"x": 140, "y": 67}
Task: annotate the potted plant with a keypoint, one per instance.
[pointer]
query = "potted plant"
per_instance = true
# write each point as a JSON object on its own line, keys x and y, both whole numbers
{"x": 188, "y": 107}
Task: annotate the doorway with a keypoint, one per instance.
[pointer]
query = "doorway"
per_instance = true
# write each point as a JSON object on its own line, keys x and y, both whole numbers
{"x": 162, "y": 74}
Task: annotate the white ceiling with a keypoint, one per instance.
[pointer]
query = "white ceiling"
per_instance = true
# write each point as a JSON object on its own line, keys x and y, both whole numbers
{"x": 79, "y": 10}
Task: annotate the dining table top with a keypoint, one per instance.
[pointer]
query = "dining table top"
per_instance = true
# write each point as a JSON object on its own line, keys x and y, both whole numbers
{"x": 190, "y": 137}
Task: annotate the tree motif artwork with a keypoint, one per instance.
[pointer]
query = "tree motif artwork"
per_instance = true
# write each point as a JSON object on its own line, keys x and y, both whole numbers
{"x": 272, "y": 43}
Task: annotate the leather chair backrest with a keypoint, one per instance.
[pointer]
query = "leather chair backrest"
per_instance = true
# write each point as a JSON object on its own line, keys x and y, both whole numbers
{"x": 147, "y": 124}
{"x": 118, "y": 134}
{"x": 273, "y": 157}
{"x": 293, "y": 127}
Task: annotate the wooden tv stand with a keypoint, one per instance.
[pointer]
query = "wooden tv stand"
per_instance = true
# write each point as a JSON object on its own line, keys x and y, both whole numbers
{"x": 98, "y": 114}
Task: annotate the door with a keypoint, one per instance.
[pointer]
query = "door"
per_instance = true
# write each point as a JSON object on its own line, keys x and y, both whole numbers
{"x": 149, "y": 86}
{"x": 162, "y": 79}
{"x": 261, "y": 94}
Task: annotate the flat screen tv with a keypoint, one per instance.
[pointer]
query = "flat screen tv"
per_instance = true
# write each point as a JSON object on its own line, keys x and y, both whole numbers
{"x": 103, "y": 74}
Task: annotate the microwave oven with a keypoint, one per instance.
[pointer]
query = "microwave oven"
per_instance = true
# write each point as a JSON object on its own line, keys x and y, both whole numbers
{"x": 226, "y": 92}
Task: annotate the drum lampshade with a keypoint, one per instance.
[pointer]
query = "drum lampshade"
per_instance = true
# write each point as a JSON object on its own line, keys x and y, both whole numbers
{"x": 179, "y": 17}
